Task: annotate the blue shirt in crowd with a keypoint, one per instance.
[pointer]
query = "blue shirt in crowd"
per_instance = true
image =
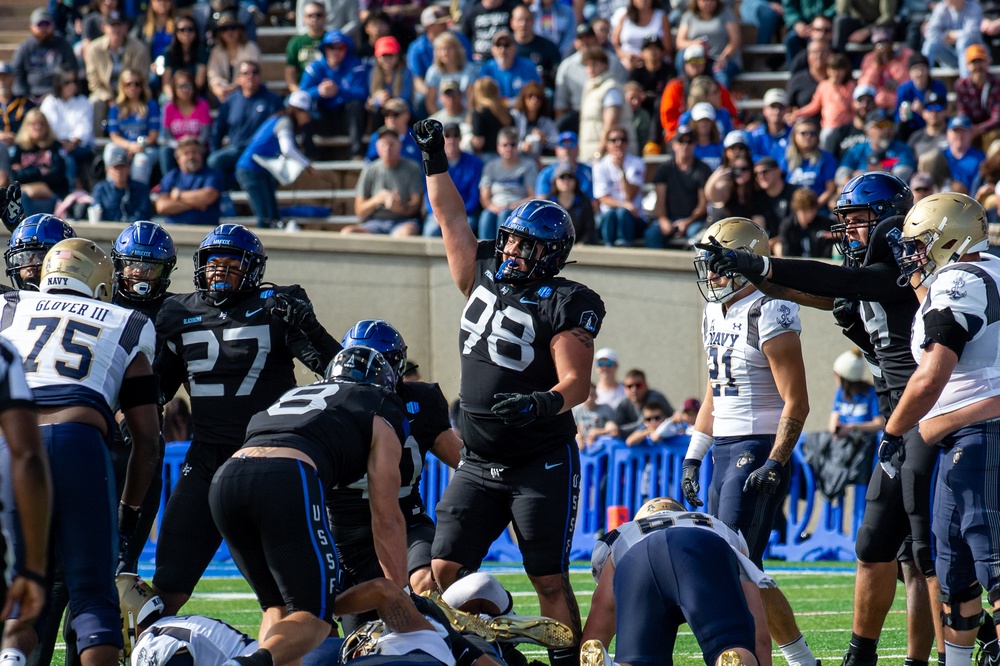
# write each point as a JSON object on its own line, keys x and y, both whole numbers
{"x": 510, "y": 81}
{"x": 966, "y": 168}
{"x": 239, "y": 117}
{"x": 856, "y": 159}
{"x": 765, "y": 144}
{"x": 858, "y": 409}
{"x": 544, "y": 185}
{"x": 351, "y": 78}
{"x": 466, "y": 175}
{"x": 126, "y": 205}
{"x": 813, "y": 176}
{"x": 131, "y": 126}
{"x": 205, "y": 177}
{"x": 420, "y": 55}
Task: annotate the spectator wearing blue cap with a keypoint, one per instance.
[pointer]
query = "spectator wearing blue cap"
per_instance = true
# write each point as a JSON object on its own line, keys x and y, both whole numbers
{"x": 567, "y": 152}
{"x": 339, "y": 83}
{"x": 934, "y": 116}
{"x": 963, "y": 158}
{"x": 880, "y": 136}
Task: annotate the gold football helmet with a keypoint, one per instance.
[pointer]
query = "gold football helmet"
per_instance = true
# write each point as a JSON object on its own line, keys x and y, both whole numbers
{"x": 80, "y": 266}
{"x": 137, "y": 602}
{"x": 737, "y": 233}
{"x": 658, "y": 504}
{"x": 937, "y": 231}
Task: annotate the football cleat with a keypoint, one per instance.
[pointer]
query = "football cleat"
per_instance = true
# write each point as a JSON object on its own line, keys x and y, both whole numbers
{"x": 542, "y": 631}
{"x": 731, "y": 658}
{"x": 851, "y": 659}
{"x": 462, "y": 622}
{"x": 592, "y": 653}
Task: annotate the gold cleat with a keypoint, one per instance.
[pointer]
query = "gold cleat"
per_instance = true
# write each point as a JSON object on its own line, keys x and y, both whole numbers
{"x": 731, "y": 658}
{"x": 592, "y": 653}
{"x": 462, "y": 622}
{"x": 542, "y": 631}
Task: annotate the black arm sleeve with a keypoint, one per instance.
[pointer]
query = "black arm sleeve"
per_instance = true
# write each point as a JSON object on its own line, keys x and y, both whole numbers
{"x": 171, "y": 370}
{"x": 315, "y": 352}
{"x": 866, "y": 283}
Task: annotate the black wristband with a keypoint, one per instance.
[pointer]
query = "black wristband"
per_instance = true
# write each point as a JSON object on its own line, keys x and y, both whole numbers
{"x": 549, "y": 403}
{"x": 128, "y": 518}
{"x": 691, "y": 462}
{"x": 33, "y": 576}
{"x": 435, "y": 163}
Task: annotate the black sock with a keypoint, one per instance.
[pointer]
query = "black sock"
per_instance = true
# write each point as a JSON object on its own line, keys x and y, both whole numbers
{"x": 941, "y": 659}
{"x": 565, "y": 656}
{"x": 909, "y": 661}
{"x": 259, "y": 658}
{"x": 864, "y": 648}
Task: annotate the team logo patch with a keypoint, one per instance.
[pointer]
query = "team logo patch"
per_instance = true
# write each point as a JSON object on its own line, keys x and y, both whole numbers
{"x": 746, "y": 458}
{"x": 544, "y": 292}
{"x": 489, "y": 274}
{"x": 955, "y": 290}
{"x": 588, "y": 320}
{"x": 956, "y": 455}
{"x": 413, "y": 407}
{"x": 784, "y": 316}
{"x": 267, "y": 293}
{"x": 192, "y": 320}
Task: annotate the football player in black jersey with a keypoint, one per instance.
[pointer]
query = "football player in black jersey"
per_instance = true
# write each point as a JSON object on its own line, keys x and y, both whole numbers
{"x": 527, "y": 346}
{"x": 143, "y": 257}
{"x": 27, "y": 245}
{"x": 876, "y": 314}
{"x": 268, "y": 498}
{"x": 430, "y": 430}
{"x": 233, "y": 342}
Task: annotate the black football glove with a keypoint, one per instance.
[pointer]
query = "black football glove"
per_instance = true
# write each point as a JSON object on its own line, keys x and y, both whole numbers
{"x": 128, "y": 520}
{"x": 520, "y": 409}
{"x": 295, "y": 312}
{"x": 845, "y": 312}
{"x": 765, "y": 479}
{"x": 690, "y": 485}
{"x": 889, "y": 446}
{"x": 729, "y": 262}
{"x": 429, "y": 135}
{"x": 11, "y": 210}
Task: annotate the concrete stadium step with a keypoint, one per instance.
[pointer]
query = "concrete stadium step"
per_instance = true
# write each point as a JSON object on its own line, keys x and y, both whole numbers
{"x": 272, "y": 40}
{"x": 331, "y": 223}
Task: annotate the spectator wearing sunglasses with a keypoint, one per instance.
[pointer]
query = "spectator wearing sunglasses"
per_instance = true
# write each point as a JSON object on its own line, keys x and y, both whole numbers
{"x": 618, "y": 181}
{"x": 303, "y": 48}
{"x": 509, "y": 70}
{"x": 232, "y": 46}
{"x": 453, "y": 109}
{"x": 389, "y": 79}
{"x": 107, "y": 57}
{"x": 396, "y": 116}
{"x": 654, "y": 415}
{"x": 681, "y": 206}
{"x": 628, "y": 412}
{"x": 610, "y": 391}
{"x": 507, "y": 183}
{"x": 567, "y": 152}
{"x": 570, "y": 196}
{"x": 40, "y": 56}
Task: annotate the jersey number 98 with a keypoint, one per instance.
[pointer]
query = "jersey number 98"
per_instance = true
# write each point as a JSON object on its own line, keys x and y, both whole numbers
{"x": 509, "y": 332}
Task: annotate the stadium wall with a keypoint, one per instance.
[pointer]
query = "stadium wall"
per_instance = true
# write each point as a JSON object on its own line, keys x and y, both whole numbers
{"x": 654, "y": 306}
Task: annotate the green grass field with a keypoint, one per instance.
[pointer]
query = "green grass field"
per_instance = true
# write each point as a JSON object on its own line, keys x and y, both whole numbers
{"x": 820, "y": 595}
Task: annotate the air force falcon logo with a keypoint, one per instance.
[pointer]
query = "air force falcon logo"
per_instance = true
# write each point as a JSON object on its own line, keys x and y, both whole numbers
{"x": 955, "y": 292}
{"x": 746, "y": 458}
{"x": 588, "y": 320}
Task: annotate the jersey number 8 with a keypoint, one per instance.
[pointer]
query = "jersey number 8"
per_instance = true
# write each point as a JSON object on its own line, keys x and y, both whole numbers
{"x": 511, "y": 331}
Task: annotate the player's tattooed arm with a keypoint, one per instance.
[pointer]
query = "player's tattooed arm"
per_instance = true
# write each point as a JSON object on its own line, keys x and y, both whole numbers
{"x": 787, "y": 436}
{"x": 585, "y": 338}
{"x": 796, "y": 296}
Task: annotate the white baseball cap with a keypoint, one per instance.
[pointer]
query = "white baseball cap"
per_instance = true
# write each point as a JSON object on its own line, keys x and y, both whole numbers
{"x": 703, "y": 111}
{"x": 606, "y": 353}
{"x": 851, "y": 367}
{"x": 300, "y": 99}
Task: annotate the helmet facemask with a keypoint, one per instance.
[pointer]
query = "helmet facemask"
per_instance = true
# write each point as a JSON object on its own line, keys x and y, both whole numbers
{"x": 854, "y": 250}
{"x": 222, "y": 287}
{"x": 24, "y": 265}
{"x": 532, "y": 254}
{"x": 710, "y": 291}
{"x": 141, "y": 280}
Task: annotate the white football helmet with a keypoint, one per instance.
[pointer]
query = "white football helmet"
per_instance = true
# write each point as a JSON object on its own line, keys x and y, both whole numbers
{"x": 736, "y": 233}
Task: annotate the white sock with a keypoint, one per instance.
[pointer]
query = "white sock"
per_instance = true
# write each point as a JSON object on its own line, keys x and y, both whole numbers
{"x": 797, "y": 653}
{"x": 954, "y": 655}
{"x": 12, "y": 657}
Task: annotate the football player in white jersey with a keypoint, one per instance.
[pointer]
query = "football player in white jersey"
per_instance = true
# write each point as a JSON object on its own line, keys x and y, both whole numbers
{"x": 754, "y": 408}
{"x": 954, "y": 396}
{"x": 667, "y": 567}
{"x": 84, "y": 358}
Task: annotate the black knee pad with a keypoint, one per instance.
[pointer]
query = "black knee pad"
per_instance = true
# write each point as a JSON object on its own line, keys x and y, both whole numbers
{"x": 871, "y": 546}
{"x": 954, "y": 619}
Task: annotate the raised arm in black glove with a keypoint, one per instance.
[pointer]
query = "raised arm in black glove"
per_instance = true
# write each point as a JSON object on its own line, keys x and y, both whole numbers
{"x": 520, "y": 409}
{"x": 11, "y": 210}
{"x": 729, "y": 262}
{"x": 429, "y": 135}
{"x": 296, "y": 312}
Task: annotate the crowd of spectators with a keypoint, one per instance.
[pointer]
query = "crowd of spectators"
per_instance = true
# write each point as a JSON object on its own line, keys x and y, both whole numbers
{"x": 113, "y": 102}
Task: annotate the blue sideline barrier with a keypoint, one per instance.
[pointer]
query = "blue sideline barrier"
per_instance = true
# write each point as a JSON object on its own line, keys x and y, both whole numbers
{"x": 615, "y": 475}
